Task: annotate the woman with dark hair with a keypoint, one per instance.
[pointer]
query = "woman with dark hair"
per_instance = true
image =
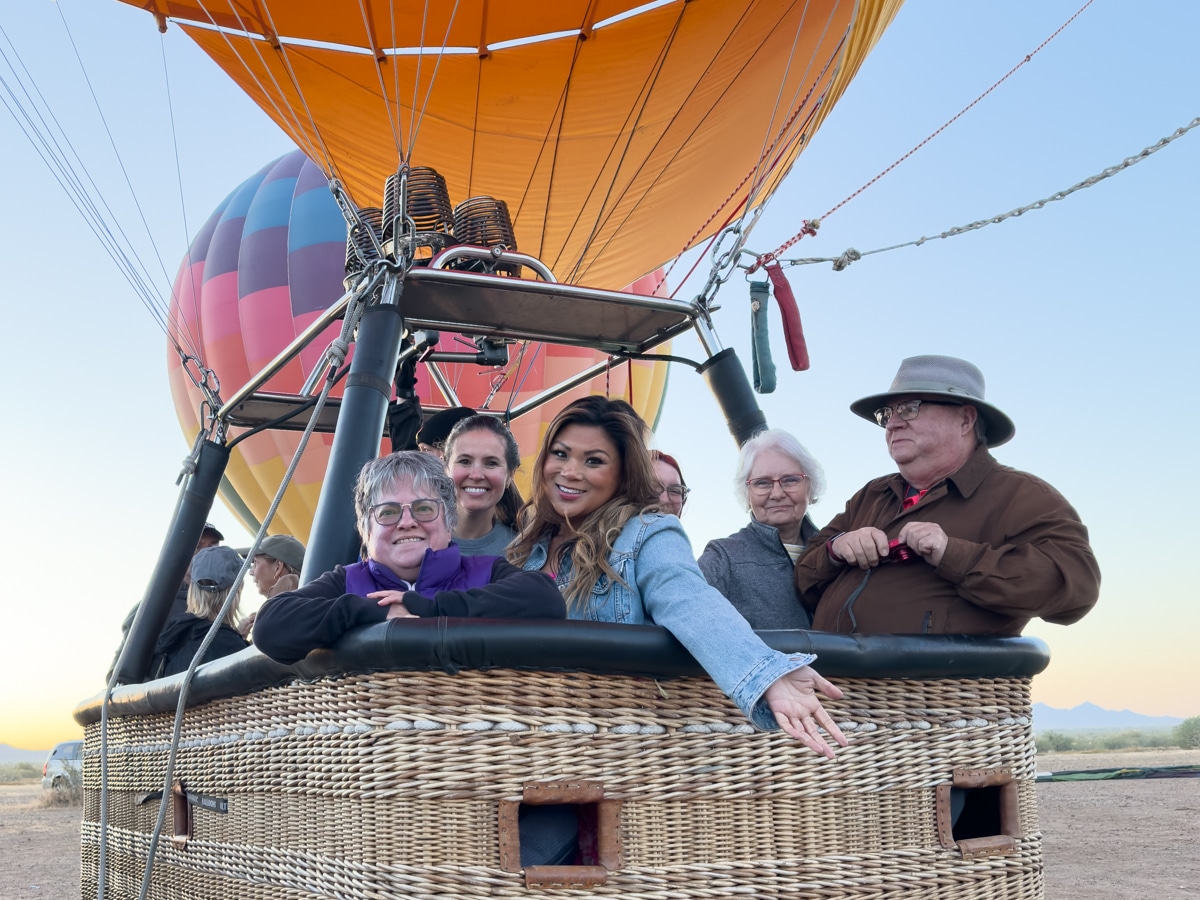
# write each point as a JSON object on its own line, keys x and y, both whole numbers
{"x": 482, "y": 457}
{"x": 594, "y": 525}
{"x": 406, "y": 515}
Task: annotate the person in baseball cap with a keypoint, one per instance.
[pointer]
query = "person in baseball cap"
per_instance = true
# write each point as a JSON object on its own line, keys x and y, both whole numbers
{"x": 277, "y": 564}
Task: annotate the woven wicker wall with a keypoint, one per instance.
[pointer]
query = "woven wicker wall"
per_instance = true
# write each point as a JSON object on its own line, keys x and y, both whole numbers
{"x": 389, "y": 785}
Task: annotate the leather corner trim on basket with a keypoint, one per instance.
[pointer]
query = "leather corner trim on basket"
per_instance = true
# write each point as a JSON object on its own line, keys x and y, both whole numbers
{"x": 608, "y": 834}
{"x": 945, "y": 825}
{"x": 565, "y": 876}
{"x": 996, "y": 845}
{"x": 553, "y": 792}
{"x": 509, "y": 833}
{"x": 978, "y": 778}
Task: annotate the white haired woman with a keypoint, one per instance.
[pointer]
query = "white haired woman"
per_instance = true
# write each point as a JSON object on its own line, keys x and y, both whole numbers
{"x": 406, "y": 512}
{"x": 777, "y": 480}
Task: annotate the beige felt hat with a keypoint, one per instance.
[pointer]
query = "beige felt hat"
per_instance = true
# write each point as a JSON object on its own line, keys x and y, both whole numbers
{"x": 941, "y": 377}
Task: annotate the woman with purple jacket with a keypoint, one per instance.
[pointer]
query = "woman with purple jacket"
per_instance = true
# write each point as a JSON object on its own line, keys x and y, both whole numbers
{"x": 406, "y": 511}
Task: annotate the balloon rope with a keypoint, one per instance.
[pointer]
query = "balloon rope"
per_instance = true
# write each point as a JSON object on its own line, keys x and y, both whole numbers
{"x": 767, "y": 257}
{"x": 852, "y": 255}
{"x": 296, "y": 130}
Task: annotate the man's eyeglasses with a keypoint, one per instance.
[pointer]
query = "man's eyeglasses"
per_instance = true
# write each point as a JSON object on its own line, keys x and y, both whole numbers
{"x": 762, "y": 486}
{"x": 391, "y": 513}
{"x": 678, "y": 492}
{"x": 908, "y": 410}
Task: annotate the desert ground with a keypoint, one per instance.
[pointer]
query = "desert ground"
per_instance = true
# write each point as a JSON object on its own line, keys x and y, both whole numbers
{"x": 1105, "y": 840}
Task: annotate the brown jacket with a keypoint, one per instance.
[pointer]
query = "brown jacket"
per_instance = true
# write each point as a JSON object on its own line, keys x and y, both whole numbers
{"x": 1016, "y": 550}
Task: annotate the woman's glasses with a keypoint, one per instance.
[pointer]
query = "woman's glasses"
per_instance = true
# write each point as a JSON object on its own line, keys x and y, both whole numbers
{"x": 677, "y": 491}
{"x": 391, "y": 513}
{"x": 762, "y": 486}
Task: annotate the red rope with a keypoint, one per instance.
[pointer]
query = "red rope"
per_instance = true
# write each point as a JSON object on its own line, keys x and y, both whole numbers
{"x": 807, "y": 230}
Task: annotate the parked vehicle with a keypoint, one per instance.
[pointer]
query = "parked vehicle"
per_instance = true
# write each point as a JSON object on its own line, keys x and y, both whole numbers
{"x": 63, "y": 766}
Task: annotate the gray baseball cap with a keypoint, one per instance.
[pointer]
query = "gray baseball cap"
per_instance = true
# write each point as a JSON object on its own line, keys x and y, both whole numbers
{"x": 284, "y": 548}
{"x": 215, "y": 568}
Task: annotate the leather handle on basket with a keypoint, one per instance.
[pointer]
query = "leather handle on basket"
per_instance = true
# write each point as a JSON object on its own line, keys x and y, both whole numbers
{"x": 181, "y": 816}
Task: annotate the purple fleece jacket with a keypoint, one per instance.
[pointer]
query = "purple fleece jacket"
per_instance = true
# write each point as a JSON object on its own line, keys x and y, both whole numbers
{"x": 292, "y": 624}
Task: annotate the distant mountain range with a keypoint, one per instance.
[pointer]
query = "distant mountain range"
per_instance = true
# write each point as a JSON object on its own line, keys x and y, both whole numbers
{"x": 1090, "y": 717}
{"x": 13, "y": 754}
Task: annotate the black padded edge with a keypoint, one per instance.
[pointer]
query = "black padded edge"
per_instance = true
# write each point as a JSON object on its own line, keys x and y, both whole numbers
{"x": 598, "y": 647}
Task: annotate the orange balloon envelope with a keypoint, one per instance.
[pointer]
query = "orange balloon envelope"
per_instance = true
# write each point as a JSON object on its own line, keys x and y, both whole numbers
{"x": 619, "y": 132}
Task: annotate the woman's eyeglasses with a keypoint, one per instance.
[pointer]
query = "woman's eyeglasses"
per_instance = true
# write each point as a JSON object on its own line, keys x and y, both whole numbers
{"x": 762, "y": 486}
{"x": 677, "y": 491}
{"x": 421, "y": 510}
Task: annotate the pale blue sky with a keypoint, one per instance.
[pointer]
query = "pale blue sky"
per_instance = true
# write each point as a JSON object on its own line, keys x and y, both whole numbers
{"x": 1081, "y": 315}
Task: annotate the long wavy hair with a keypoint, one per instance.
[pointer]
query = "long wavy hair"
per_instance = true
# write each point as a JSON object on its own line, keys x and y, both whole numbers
{"x": 592, "y": 538}
{"x": 510, "y": 501}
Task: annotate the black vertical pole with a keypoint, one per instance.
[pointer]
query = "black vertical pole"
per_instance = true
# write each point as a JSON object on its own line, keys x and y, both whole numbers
{"x": 195, "y": 503}
{"x": 360, "y": 428}
{"x": 727, "y": 380}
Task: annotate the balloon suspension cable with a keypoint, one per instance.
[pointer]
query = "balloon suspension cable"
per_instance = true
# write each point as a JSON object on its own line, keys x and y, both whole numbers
{"x": 230, "y": 600}
{"x": 805, "y": 232}
{"x": 852, "y": 255}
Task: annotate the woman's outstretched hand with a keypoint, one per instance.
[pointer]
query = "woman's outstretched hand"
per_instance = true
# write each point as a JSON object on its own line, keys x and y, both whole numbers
{"x": 793, "y": 699}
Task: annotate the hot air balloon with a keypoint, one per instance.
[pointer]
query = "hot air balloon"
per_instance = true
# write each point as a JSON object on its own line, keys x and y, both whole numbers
{"x": 266, "y": 264}
{"x": 619, "y": 132}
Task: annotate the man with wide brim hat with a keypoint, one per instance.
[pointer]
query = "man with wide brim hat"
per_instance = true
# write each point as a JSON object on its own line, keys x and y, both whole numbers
{"x": 954, "y": 542}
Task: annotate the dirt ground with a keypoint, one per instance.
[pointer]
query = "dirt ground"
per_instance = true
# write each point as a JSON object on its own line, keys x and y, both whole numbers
{"x": 1105, "y": 840}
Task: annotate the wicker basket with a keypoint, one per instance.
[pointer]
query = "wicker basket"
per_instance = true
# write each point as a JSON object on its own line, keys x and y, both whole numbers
{"x": 407, "y": 784}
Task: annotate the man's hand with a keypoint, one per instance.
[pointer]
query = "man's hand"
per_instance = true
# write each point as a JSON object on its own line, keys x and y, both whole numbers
{"x": 863, "y": 548}
{"x": 925, "y": 538}
{"x": 394, "y": 600}
{"x": 793, "y": 699}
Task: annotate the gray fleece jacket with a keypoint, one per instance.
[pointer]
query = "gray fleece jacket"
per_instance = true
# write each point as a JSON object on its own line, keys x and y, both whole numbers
{"x": 752, "y": 568}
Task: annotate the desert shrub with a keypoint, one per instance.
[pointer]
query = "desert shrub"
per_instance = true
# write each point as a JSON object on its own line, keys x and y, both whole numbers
{"x": 1187, "y": 733}
{"x": 67, "y": 791}
{"x": 19, "y": 773}
{"x": 1056, "y": 742}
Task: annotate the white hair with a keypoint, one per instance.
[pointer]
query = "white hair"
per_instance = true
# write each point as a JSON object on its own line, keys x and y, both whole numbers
{"x": 781, "y": 442}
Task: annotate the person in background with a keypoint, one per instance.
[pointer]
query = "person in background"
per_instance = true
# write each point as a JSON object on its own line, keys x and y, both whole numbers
{"x": 277, "y": 564}
{"x": 432, "y": 436}
{"x": 482, "y": 457}
{"x": 675, "y": 491}
{"x": 593, "y": 525}
{"x": 214, "y": 573}
{"x": 777, "y": 479}
{"x": 954, "y": 542}
{"x": 209, "y": 537}
{"x": 406, "y": 515}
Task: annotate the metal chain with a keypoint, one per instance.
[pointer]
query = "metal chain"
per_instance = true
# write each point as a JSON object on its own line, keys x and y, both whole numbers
{"x": 851, "y": 255}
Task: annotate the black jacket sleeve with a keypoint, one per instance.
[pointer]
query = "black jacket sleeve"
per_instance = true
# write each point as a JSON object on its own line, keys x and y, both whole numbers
{"x": 512, "y": 594}
{"x": 291, "y": 624}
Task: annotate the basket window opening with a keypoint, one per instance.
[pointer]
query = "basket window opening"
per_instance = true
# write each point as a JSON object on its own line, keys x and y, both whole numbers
{"x": 975, "y": 812}
{"x": 559, "y": 834}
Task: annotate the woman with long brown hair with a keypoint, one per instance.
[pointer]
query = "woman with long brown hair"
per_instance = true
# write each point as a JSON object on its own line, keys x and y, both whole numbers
{"x": 594, "y": 524}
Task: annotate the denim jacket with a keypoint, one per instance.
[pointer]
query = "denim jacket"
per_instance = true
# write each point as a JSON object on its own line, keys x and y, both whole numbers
{"x": 664, "y": 586}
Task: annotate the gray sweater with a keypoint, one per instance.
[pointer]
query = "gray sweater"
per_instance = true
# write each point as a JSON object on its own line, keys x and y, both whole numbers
{"x": 752, "y": 568}
{"x": 494, "y": 543}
